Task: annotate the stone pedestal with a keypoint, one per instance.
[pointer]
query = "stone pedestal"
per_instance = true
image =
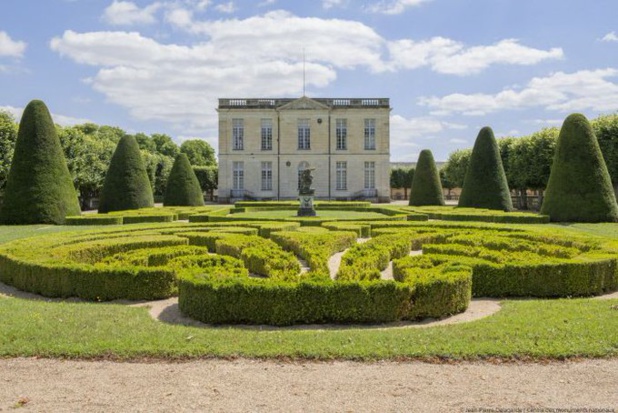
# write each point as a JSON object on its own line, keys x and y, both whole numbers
{"x": 306, "y": 208}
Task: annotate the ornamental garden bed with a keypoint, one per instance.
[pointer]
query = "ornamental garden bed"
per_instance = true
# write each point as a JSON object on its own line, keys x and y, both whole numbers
{"x": 248, "y": 272}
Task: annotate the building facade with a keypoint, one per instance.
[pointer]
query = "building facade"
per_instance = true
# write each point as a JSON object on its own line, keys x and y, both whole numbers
{"x": 265, "y": 143}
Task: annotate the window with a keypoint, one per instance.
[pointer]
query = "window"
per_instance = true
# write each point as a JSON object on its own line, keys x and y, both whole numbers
{"x": 301, "y": 167}
{"x": 267, "y": 134}
{"x": 267, "y": 176}
{"x": 238, "y": 174}
{"x": 341, "y": 132}
{"x": 304, "y": 134}
{"x": 342, "y": 176}
{"x": 370, "y": 175}
{"x": 370, "y": 134}
{"x": 238, "y": 134}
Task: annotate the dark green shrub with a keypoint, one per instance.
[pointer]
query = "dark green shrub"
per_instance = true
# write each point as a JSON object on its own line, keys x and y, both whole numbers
{"x": 126, "y": 183}
{"x": 426, "y": 187}
{"x": 485, "y": 184}
{"x": 183, "y": 188}
{"x": 579, "y": 187}
{"x": 39, "y": 188}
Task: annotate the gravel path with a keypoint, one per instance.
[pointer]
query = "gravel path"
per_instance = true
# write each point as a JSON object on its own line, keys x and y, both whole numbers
{"x": 271, "y": 386}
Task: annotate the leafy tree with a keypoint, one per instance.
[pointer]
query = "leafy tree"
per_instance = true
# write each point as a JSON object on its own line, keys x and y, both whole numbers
{"x": 39, "y": 189}
{"x": 426, "y": 188}
{"x": 158, "y": 167}
{"x": 485, "y": 184}
{"x": 126, "y": 182}
{"x": 402, "y": 178}
{"x": 8, "y": 136}
{"x": 456, "y": 166}
{"x": 199, "y": 152}
{"x": 606, "y": 130}
{"x": 145, "y": 143}
{"x": 208, "y": 178}
{"x": 183, "y": 188}
{"x": 165, "y": 145}
{"x": 529, "y": 164}
{"x": 579, "y": 187}
{"x": 449, "y": 185}
{"x": 88, "y": 156}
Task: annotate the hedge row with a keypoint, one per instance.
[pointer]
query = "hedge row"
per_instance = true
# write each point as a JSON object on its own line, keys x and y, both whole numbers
{"x": 93, "y": 220}
{"x": 315, "y": 248}
{"x": 508, "y": 262}
{"x": 447, "y": 213}
{"x": 261, "y": 256}
{"x": 153, "y": 260}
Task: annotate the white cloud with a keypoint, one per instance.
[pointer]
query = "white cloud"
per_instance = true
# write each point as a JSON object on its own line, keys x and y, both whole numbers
{"x": 452, "y": 57}
{"x": 202, "y": 4}
{"x": 406, "y": 132}
{"x": 10, "y": 47}
{"x": 564, "y": 92}
{"x": 281, "y": 35}
{"x": 267, "y": 3}
{"x": 228, "y": 7}
{"x": 458, "y": 141}
{"x": 393, "y": 6}
{"x": 180, "y": 84}
{"x": 260, "y": 56}
{"x": 127, "y": 13}
{"x": 547, "y": 122}
{"x": 329, "y": 4}
{"x": 610, "y": 37}
{"x": 62, "y": 120}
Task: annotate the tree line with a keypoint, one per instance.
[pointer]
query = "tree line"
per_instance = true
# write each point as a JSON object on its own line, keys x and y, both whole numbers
{"x": 88, "y": 149}
{"x": 527, "y": 160}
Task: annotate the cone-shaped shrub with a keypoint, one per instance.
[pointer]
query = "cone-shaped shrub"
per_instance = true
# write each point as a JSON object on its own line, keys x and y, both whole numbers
{"x": 126, "y": 181}
{"x": 183, "y": 188}
{"x": 485, "y": 184}
{"x": 579, "y": 187}
{"x": 426, "y": 187}
{"x": 39, "y": 188}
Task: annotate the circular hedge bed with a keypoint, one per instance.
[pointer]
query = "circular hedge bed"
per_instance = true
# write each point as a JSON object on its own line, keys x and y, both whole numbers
{"x": 249, "y": 272}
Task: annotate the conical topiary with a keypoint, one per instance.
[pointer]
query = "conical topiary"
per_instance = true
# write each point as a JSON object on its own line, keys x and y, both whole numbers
{"x": 485, "y": 184}
{"x": 183, "y": 188}
{"x": 39, "y": 188}
{"x": 426, "y": 187}
{"x": 579, "y": 187}
{"x": 126, "y": 182}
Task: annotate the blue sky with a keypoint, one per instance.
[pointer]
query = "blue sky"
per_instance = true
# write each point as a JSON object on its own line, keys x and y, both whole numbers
{"x": 449, "y": 67}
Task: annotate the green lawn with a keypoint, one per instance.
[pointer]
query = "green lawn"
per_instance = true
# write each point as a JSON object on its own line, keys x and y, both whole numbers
{"x": 537, "y": 329}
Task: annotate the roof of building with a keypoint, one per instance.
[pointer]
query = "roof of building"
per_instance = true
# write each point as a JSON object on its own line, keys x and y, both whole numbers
{"x": 303, "y": 103}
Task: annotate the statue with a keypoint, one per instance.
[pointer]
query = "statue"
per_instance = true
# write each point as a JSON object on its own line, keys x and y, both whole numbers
{"x": 305, "y": 182}
{"x": 305, "y": 194}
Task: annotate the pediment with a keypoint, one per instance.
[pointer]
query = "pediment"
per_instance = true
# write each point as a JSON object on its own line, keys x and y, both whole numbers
{"x": 304, "y": 103}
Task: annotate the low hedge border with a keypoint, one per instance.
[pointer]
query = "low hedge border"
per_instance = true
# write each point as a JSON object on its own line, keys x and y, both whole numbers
{"x": 542, "y": 263}
{"x": 92, "y": 219}
{"x": 447, "y": 213}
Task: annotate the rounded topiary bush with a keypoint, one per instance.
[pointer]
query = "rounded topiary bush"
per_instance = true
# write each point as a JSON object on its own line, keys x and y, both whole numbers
{"x": 485, "y": 184}
{"x": 39, "y": 188}
{"x": 579, "y": 187}
{"x": 126, "y": 183}
{"x": 426, "y": 187}
{"x": 183, "y": 188}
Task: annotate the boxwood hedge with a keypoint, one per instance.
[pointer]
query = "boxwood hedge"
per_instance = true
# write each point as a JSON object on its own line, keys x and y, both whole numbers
{"x": 241, "y": 273}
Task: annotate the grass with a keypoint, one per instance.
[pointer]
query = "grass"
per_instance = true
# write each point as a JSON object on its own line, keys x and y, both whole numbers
{"x": 523, "y": 329}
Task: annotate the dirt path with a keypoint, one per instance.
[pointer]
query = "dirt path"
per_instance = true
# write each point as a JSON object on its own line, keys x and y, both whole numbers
{"x": 271, "y": 386}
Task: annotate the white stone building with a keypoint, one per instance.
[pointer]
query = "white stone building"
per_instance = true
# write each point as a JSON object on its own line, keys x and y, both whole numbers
{"x": 264, "y": 143}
